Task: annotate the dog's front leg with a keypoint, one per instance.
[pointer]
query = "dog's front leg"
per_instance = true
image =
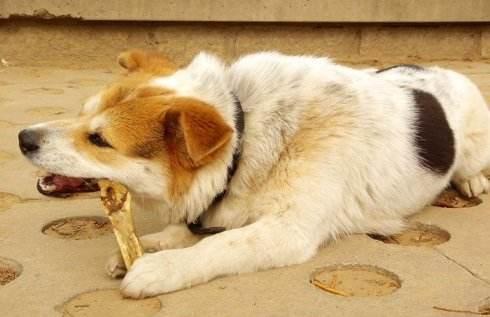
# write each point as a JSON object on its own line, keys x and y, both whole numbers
{"x": 273, "y": 241}
{"x": 172, "y": 237}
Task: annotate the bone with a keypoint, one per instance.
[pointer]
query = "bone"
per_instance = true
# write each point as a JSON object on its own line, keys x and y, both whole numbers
{"x": 116, "y": 201}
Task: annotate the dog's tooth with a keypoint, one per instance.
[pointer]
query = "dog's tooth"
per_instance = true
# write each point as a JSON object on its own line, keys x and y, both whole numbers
{"x": 46, "y": 187}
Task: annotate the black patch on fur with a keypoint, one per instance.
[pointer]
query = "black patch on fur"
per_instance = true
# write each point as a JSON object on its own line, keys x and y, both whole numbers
{"x": 434, "y": 138}
{"x": 410, "y": 66}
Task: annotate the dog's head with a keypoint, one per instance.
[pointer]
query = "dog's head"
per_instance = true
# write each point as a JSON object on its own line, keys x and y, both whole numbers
{"x": 149, "y": 130}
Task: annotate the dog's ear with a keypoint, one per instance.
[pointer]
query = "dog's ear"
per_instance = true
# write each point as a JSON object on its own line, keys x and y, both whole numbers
{"x": 147, "y": 61}
{"x": 194, "y": 132}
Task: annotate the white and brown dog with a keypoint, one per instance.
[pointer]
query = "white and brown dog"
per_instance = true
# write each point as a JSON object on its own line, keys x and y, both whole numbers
{"x": 285, "y": 152}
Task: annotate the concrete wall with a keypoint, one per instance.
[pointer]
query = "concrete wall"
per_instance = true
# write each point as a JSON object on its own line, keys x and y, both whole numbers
{"x": 254, "y": 10}
{"x": 96, "y": 44}
{"x": 90, "y": 33}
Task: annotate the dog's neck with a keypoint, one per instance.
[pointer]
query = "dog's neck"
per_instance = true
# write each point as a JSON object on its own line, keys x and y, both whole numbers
{"x": 196, "y": 226}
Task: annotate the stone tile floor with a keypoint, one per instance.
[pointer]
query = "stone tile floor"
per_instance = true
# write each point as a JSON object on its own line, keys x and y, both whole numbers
{"x": 62, "y": 273}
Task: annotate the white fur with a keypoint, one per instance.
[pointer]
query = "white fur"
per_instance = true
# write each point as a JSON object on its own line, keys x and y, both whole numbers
{"x": 327, "y": 150}
{"x": 91, "y": 105}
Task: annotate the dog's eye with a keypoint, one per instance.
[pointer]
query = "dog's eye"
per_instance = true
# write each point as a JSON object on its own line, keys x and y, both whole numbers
{"x": 98, "y": 140}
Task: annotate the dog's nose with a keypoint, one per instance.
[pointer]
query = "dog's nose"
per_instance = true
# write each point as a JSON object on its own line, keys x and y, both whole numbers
{"x": 29, "y": 141}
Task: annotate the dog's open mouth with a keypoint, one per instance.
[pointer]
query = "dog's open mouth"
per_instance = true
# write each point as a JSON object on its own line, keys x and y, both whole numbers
{"x": 63, "y": 186}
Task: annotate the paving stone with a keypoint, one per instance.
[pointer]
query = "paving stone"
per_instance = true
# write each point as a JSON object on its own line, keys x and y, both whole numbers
{"x": 57, "y": 273}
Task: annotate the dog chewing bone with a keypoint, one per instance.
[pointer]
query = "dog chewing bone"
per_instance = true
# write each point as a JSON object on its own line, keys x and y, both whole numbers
{"x": 116, "y": 200}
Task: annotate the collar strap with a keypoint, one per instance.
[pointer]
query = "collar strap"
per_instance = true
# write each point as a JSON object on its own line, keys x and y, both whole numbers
{"x": 239, "y": 126}
{"x": 196, "y": 226}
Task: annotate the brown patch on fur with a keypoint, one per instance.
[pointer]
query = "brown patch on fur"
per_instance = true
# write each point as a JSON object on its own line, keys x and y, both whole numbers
{"x": 131, "y": 85}
{"x": 123, "y": 88}
{"x": 101, "y": 154}
{"x": 134, "y": 130}
{"x": 194, "y": 135}
{"x": 196, "y": 128}
{"x": 149, "y": 91}
{"x": 146, "y": 61}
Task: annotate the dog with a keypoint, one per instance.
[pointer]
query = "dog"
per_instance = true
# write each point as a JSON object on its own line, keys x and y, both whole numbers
{"x": 284, "y": 152}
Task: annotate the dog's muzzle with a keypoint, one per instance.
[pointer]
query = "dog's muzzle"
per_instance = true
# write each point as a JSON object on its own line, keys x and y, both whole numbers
{"x": 53, "y": 184}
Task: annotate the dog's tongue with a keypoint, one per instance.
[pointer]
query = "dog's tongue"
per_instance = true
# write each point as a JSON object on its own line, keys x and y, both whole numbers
{"x": 64, "y": 186}
{"x": 66, "y": 182}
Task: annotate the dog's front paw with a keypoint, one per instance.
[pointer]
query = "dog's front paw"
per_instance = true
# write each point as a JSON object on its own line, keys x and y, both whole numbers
{"x": 157, "y": 273}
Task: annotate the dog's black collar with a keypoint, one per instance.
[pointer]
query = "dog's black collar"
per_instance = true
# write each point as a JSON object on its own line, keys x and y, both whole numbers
{"x": 196, "y": 226}
{"x": 239, "y": 126}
